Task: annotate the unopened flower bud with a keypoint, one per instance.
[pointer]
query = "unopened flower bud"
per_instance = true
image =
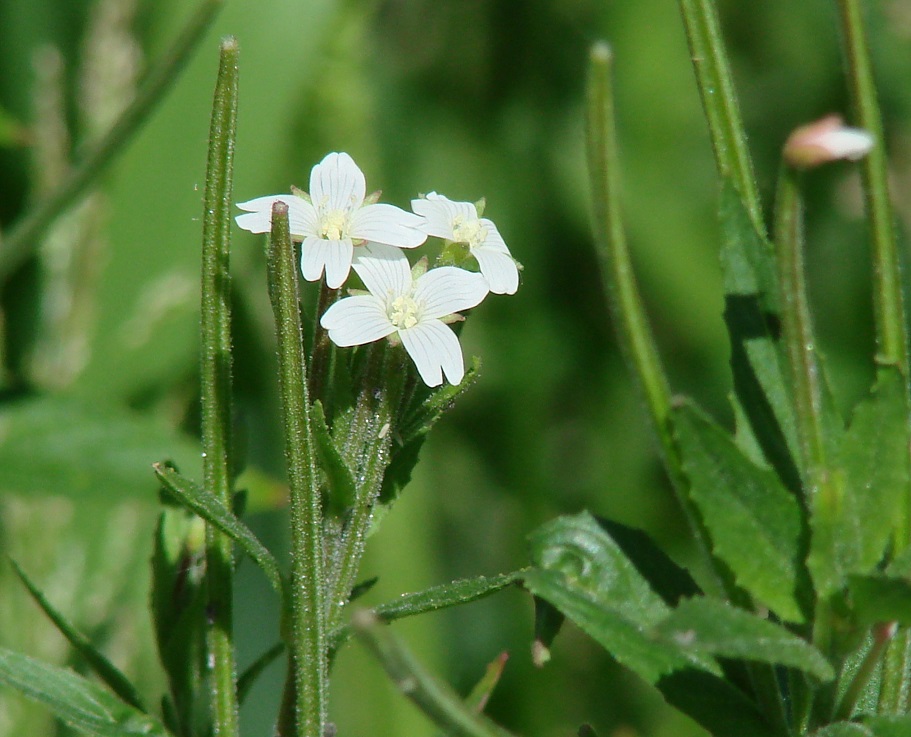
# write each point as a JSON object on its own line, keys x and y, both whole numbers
{"x": 828, "y": 139}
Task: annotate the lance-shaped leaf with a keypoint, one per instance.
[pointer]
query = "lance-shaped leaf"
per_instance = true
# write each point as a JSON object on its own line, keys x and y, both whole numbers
{"x": 342, "y": 486}
{"x": 82, "y": 704}
{"x": 463, "y": 591}
{"x": 851, "y": 534}
{"x": 718, "y": 629}
{"x": 754, "y": 522}
{"x": 213, "y": 511}
{"x": 581, "y": 571}
{"x": 879, "y": 597}
{"x": 105, "y": 669}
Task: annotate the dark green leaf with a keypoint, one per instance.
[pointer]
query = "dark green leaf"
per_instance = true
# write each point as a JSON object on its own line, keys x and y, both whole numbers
{"x": 105, "y": 669}
{"x": 754, "y": 522}
{"x": 342, "y": 486}
{"x": 718, "y": 629}
{"x": 715, "y": 704}
{"x": 874, "y": 456}
{"x": 213, "y": 511}
{"x": 80, "y": 703}
{"x": 61, "y": 446}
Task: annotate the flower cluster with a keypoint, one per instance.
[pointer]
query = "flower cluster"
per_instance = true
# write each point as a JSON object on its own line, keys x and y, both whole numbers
{"x": 341, "y": 228}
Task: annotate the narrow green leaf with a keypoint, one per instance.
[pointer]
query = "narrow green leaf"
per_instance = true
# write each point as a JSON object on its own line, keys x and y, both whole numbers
{"x": 342, "y": 486}
{"x": 715, "y": 704}
{"x": 213, "y": 511}
{"x": 755, "y": 523}
{"x": 463, "y": 591}
{"x": 106, "y": 670}
{"x": 78, "y": 702}
{"x": 482, "y": 690}
{"x": 715, "y": 628}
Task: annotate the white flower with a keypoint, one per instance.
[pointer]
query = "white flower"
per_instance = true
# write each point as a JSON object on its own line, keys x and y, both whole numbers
{"x": 459, "y": 222}
{"x": 414, "y": 310}
{"x": 334, "y": 219}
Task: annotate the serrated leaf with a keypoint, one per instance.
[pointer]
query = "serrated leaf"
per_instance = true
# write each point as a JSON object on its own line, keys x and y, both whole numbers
{"x": 853, "y": 536}
{"x": 754, "y": 522}
{"x": 208, "y": 507}
{"x": 105, "y": 669}
{"x": 718, "y": 629}
{"x": 77, "y": 701}
{"x": 53, "y": 445}
{"x": 581, "y": 571}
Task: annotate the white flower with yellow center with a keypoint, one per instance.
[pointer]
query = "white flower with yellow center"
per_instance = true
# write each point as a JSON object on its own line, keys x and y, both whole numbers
{"x": 460, "y": 222}
{"x": 334, "y": 219}
{"x": 407, "y": 305}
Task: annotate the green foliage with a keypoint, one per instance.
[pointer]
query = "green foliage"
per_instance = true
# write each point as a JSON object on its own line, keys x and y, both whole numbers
{"x": 75, "y": 700}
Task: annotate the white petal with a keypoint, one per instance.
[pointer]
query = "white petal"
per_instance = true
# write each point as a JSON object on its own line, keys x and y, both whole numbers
{"x": 333, "y": 256}
{"x": 336, "y": 183}
{"x": 258, "y": 219}
{"x": 383, "y": 269}
{"x": 388, "y": 224}
{"x": 435, "y": 350}
{"x": 440, "y": 212}
{"x": 493, "y": 239}
{"x": 449, "y": 289}
{"x": 356, "y": 320}
{"x": 499, "y": 269}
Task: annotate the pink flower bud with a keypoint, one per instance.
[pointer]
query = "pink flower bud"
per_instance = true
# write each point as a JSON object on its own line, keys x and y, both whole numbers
{"x": 828, "y": 139}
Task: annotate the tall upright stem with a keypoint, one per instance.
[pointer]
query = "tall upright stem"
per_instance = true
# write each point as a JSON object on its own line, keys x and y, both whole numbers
{"x": 215, "y": 372}
{"x": 308, "y": 609}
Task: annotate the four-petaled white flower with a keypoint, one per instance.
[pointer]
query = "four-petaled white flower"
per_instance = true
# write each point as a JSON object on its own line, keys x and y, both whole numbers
{"x": 459, "y": 222}
{"x": 411, "y": 309}
{"x": 335, "y": 219}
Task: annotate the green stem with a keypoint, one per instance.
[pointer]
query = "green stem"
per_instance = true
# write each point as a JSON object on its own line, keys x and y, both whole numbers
{"x": 719, "y": 100}
{"x": 891, "y": 335}
{"x": 308, "y": 609}
{"x": 633, "y": 331}
{"x": 215, "y": 370}
{"x": 367, "y": 453}
{"x": 435, "y": 698}
{"x": 23, "y": 238}
{"x": 888, "y": 303}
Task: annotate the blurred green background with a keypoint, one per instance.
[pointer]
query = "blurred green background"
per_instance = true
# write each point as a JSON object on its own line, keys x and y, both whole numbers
{"x": 470, "y": 98}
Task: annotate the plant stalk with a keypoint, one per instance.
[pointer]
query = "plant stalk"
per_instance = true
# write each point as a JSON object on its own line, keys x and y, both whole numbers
{"x": 215, "y": 373}
{"x": 308, "y": 609}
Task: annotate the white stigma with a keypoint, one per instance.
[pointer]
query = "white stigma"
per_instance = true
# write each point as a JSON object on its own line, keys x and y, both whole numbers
{"x": 404, "y": 312}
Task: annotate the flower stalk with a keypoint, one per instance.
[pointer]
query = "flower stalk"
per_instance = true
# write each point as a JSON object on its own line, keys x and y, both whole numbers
{"x": 215, "y": 370}
{"x": 308, "y": 611}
